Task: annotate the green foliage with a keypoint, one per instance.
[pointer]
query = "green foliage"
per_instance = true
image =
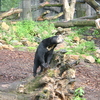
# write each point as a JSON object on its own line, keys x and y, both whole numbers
{"x": 8, "y": 4}
{"x": 45, "y": 29}
{"x": 30, "y": 29}
{"x": 50, "y": 73}
{"x": 85, "y": 31}
{"x": 82, "y": 48}
{"x": 98, "y": 60}
{"x": 25, "y": 29}
{"x": 34, "y": 84}
{"x": 78, "y": 94}
{"x": 81, "y": 30}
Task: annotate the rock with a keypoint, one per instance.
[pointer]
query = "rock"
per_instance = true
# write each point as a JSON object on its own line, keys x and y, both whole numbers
{"x": 74, "y": 57}
{"x": 60, "y": 46}
{"x": 98, "y": 51}
{"x": 67, "y": 29}
{"x": 82, "y": 41}
{"x": 15, "y": 42}
{"x": 21, "y": 88}
{"x": 5, "y": 26}
{"x": 1, "y": 46}
{"x": 54, "y": 31}
{"x": 59, "y": 29}
{"x": 25, "y": 42}
{"x": 97, "y": 55}
{"x": 89, "y": 59}
{"x": 71, "y": 73}
{"x": 45, "y": 32}
{"x": 83, "y": 56}
{"x": 89, "y": 38}
{"x": 7, "y": 47}
{"x": 2, "y": 41}
{"x": 76, "y": 39}
{"x": 35, "y": 44}
{"x": 11, "y": 47}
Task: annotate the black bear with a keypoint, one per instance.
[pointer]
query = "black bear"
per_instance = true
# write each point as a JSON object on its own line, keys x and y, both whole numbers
{"x": 44, "y": 52}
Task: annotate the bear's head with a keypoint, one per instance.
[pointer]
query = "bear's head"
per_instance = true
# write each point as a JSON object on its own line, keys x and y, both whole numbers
{"x": 56, "y": 39}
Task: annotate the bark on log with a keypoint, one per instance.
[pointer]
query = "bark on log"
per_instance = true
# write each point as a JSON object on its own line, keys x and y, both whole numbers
{"x": 47, "y": 5}
{"x": 90, "y": 17}
{"x": 54, "y": 17}
{"x": 41, "y": 18}
{"x": 12, "y": 11}
{"x": 95, "y": 5}
{"x": 78, "y": 22}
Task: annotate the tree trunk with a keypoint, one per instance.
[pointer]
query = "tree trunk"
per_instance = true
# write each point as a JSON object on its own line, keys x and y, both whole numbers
{"x": 69, "y": 9}
{"x": 0, "y": 5}
{"x": 35, "y": 11}
{"x": 26, "y": 6}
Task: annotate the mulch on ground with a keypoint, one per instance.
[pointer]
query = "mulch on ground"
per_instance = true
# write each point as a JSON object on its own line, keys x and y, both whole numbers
{"x": 18, "y": 65}
{"x": 15, "y": 65}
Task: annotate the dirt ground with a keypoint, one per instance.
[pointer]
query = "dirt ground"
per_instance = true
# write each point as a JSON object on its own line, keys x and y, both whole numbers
{"x": 17, "y": 65}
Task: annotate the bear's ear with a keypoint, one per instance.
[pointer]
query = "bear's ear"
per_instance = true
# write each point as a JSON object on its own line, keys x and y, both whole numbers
{"x": 59, "y": 39}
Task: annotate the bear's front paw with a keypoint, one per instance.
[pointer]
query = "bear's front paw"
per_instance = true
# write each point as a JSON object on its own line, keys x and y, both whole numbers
{"x": 45, "y": 65}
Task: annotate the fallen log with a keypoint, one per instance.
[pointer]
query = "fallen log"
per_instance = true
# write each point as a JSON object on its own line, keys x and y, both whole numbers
{"x": 41, "y": 18}
{"x": 76, "y": 22}
{"x": 11, "y": 12}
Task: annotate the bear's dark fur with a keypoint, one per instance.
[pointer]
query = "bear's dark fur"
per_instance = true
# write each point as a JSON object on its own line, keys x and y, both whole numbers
{"x": 44, "y": 52}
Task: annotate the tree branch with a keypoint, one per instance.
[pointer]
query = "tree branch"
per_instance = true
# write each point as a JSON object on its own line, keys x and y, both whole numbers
{"x": 12, "y": 11}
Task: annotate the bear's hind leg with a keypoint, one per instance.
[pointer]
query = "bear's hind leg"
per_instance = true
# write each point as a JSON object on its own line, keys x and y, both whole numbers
{"x": 36, "y": 65}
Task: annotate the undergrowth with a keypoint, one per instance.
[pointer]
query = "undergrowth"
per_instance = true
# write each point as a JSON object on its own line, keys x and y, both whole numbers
{"x": 32, "y": 29}
{"x": 78, "y": 94}
{"x": 83, "y": 47}
{"x": 36, "y": 31}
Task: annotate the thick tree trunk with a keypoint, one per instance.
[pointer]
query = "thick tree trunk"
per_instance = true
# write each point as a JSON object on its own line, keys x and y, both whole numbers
{"x": 69, "y": 9}
{"x": 0, "y": 5}
{"x": 26, "y": 6}
{"x": 78, "y": 22}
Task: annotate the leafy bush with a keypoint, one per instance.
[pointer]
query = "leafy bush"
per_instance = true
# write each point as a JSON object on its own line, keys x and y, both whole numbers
{"x": 78, "y": 94}
{"x": 84, "y": 47}
{"x": 31, "y": 29}
{"x": 85, "y": 31}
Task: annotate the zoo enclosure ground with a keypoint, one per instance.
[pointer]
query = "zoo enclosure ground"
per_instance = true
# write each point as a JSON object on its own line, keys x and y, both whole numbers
{"x": 17, "y": 65}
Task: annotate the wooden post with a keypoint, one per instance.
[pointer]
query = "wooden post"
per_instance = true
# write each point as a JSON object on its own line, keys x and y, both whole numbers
{"x": 26, "y": 6}
{"x": 0, "y": 5}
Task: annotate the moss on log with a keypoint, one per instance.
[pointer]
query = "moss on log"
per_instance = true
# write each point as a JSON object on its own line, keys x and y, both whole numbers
{"x": 78, "y": 22}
